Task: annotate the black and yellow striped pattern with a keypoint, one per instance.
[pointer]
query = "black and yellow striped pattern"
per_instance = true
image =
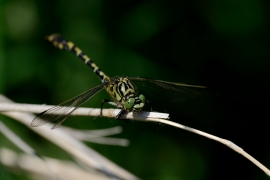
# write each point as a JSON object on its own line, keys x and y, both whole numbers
{"x": 62, "y": 43}
{"x": 120, "y": 89}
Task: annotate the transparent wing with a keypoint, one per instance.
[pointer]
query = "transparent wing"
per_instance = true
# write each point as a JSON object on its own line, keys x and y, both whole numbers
{"x": 170, "y": 96}
{"x": 58, "y": 114}
{"x": 171, "y": 86}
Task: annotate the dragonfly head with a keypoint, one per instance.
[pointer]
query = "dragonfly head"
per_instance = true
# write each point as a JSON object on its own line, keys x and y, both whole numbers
{"x": 135, "y": 104}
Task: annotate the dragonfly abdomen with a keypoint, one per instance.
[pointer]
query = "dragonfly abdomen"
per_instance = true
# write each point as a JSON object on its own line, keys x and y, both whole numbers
{"x": 121, "y": 89}
{"x": 62, "y": 43}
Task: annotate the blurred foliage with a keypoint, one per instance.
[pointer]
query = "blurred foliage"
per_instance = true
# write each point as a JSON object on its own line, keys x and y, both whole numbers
{"x": 221, "y": 44}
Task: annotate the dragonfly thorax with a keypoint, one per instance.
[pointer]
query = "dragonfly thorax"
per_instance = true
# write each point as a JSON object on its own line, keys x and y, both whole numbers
{"x": 123, "y": 91}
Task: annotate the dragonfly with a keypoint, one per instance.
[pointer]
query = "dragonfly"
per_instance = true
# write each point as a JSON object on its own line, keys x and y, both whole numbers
{"x": 122, "y": 90}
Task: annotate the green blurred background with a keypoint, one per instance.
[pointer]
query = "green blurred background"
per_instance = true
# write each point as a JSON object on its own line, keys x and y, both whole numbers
{"x": 220, "y": 44}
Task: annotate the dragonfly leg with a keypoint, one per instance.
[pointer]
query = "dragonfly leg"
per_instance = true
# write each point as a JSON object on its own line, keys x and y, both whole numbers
{"x": 111, "y": 103}
{"x": 119, "y": 114}
{"x": 148, "y": 102}
{"x": 102, "y": 104}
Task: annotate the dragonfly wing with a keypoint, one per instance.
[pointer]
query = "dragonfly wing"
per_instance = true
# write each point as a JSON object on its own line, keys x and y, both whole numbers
{"x": 61, "y": 112}
{"x": 174, "y": 86}
{"x": 170, "y": 96}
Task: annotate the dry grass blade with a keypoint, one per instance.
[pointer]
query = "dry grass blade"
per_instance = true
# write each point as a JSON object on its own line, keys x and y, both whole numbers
{"x": 161, "y": 118}
{"x": 71, "y": 145}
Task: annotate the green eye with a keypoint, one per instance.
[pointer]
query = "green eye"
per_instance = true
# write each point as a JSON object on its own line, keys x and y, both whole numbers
{"x": 142, "y": 98}
{"x": 129, "y": 103}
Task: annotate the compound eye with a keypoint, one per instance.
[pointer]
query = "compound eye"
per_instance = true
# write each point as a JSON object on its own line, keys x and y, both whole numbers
{"x": 142, "y": 98}
{"x": 129, "y": 103}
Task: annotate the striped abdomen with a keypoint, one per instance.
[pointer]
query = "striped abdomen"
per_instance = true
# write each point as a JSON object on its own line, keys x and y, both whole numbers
{"x": 62, "y": 43}
{"x": 121, "y": 89}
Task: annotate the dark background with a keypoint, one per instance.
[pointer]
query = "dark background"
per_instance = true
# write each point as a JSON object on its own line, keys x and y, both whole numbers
{"x": 220, "y": 44}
